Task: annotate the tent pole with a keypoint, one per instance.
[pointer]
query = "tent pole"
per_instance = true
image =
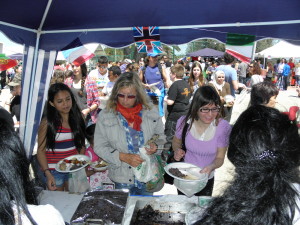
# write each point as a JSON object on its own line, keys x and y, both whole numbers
{"x": 253, "y": 51}
{"x": 31, "y": 88}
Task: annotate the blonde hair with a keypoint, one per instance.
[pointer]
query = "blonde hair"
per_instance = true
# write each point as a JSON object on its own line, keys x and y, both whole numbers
{"x": 178, "y": 70}
{"x": 128, "y": 80}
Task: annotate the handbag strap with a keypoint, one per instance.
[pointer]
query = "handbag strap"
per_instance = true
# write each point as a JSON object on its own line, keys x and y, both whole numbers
{"x": 184, "y": 131}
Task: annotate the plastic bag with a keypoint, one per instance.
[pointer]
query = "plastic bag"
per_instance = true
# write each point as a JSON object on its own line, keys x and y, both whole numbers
{"x": 78, "y": 182}
{"x": 144, "y": 171}
{"x": 157, "y": 183}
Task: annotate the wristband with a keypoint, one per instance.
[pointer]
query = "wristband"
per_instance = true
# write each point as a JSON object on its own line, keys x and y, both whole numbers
{"x": 46, "y": 170}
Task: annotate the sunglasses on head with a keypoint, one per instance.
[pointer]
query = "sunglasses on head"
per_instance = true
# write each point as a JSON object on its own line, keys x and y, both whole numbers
{"x": 128, "y": 96}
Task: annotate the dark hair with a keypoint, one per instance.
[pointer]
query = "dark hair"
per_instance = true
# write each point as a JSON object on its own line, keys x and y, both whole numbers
{"x": 228, "y": 58}
{"x": 102, "y": 60}
{"x": 264, "y": 147}
{"x": 90, "y": 130}
{"x": 15, "y": 182}
{"x": 54, "y": 119}
{"x": 261, "y": 93}
{"x": 58, "y": 76}
{"x": 205, "y": 95}
{"x": 115, "y": 70}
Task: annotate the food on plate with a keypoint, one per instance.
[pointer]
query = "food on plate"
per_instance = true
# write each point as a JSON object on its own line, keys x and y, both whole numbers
{"x": 71, "y": 164}
{"x": 176, "y": 172}
{"x": 100, "y": 164}
{"x": 63, "y": 166}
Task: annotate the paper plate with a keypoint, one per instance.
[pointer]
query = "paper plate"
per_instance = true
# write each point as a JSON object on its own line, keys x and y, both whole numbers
{"x": 191, "y": 169}
{"x": 102, "y": 168}
{"x": 69, "y": 165}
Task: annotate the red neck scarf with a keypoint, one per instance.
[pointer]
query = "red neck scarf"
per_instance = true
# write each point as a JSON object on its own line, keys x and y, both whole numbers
{"x": 131, "y": 115}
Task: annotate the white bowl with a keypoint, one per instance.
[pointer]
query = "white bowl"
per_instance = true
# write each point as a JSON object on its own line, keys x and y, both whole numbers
{"x": 187, "y": 186}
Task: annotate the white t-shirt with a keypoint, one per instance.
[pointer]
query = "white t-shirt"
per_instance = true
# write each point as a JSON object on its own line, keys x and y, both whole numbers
{"x": 108, "y": 88}
{"x": 101, "y": 80}
{"x": 42, "y": 214}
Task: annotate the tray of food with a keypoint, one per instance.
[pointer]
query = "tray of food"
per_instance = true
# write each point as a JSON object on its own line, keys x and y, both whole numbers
{"x": 72, "y": 163}
{"x": 160, "y": 213}
{"x": 99, "y": 165}
{"x": 101, "y": 207}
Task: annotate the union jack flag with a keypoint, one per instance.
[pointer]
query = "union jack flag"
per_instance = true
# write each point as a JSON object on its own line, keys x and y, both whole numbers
{"x": 147, "y": 39}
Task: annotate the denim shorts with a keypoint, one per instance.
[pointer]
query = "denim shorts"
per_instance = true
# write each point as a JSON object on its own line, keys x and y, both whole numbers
{"x": 133, "y": 190}
{"x": 60, "y": 178}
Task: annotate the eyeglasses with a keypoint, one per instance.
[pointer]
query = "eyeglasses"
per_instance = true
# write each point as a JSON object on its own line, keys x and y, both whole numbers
{"x": 103, "y": 67}
{"x": 128, "y": 96}
{"x": 213, "y": 110}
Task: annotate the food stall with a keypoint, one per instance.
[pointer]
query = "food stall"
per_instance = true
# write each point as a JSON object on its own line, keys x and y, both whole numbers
{"x": 118, "y": 207}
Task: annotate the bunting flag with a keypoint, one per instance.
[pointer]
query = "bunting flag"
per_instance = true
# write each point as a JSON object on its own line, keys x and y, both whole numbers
{"x": 6, "y": 63}
{"x": 240, "y": 46}
{"x": 147, "y": 39}
{"x": 77, "y": 53}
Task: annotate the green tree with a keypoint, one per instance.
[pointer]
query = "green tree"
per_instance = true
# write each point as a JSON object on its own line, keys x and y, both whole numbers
{"x": 265, "y": 43}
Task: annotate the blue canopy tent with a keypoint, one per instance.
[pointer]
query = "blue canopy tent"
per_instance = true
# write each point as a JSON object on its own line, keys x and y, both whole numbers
{"x": 46, "y": 26}
{"x": 206, "y": 52}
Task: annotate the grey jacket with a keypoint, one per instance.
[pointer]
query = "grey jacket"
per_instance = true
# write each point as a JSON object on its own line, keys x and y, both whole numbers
{"x": 110, "y": 140}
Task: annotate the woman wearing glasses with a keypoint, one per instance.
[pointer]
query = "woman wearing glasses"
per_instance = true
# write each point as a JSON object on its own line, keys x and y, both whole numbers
{"x": 206, "y": 139}
{"x": 125, "y": 125}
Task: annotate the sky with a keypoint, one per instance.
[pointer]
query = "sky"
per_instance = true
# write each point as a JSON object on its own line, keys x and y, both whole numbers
{"x": 9, "y": 47}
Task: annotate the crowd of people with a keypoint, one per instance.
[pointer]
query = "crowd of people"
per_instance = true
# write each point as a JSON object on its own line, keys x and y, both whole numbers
{"x": 187, "y": 105}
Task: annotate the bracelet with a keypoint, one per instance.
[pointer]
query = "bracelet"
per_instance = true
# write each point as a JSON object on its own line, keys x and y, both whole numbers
{"x": 46, "y": 170}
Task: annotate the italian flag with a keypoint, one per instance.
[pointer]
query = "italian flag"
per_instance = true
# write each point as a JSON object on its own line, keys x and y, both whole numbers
{"x": 240, "y": 46}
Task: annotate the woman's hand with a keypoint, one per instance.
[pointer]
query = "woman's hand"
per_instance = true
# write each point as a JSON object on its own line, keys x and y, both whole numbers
{"x": 85, "y": 112}
{"x": 179, "y": 154}
{"x": 152, "y": 149}
{"x": 208, "y": 169}
{"x": 51, "y": 185}
{"x": 132, "y": 159}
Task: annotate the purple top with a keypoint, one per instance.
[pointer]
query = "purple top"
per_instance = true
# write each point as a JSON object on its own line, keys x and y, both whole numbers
{"x": 203, "y": 153}
{"x": 152, "y": 75}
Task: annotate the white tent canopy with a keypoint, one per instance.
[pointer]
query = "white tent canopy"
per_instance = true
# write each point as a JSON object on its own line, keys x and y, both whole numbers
{"x": 282, "y": 49}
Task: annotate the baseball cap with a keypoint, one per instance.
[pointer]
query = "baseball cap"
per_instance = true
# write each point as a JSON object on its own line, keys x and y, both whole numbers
{"x": 153, "y": 54}
{"x": 127, "y": 61}
{"x": 16, "y": 81}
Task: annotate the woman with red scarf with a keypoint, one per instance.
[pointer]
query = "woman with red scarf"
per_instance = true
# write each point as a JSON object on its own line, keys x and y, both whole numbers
{"x": 124, "y": 126}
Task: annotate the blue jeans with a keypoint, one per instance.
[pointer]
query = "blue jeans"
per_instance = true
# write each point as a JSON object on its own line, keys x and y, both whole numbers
{"x": 133, "y": 190}
{"x": 60, "y": 178}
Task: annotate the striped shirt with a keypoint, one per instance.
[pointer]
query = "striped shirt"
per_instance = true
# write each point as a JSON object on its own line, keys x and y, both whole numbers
{"x": 92, "y": 94}
{"x": 64, "y": 147}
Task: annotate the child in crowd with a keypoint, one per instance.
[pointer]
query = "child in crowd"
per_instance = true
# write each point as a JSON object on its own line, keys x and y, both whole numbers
{"x": 61, "y": 134}
{"x": 178, "y": 102}
{"x": 96, "y": 178}
{"x": 113, "y": 73}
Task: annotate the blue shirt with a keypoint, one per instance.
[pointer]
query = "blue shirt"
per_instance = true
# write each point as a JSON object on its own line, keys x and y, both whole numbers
{"x": 286, "y": 70}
